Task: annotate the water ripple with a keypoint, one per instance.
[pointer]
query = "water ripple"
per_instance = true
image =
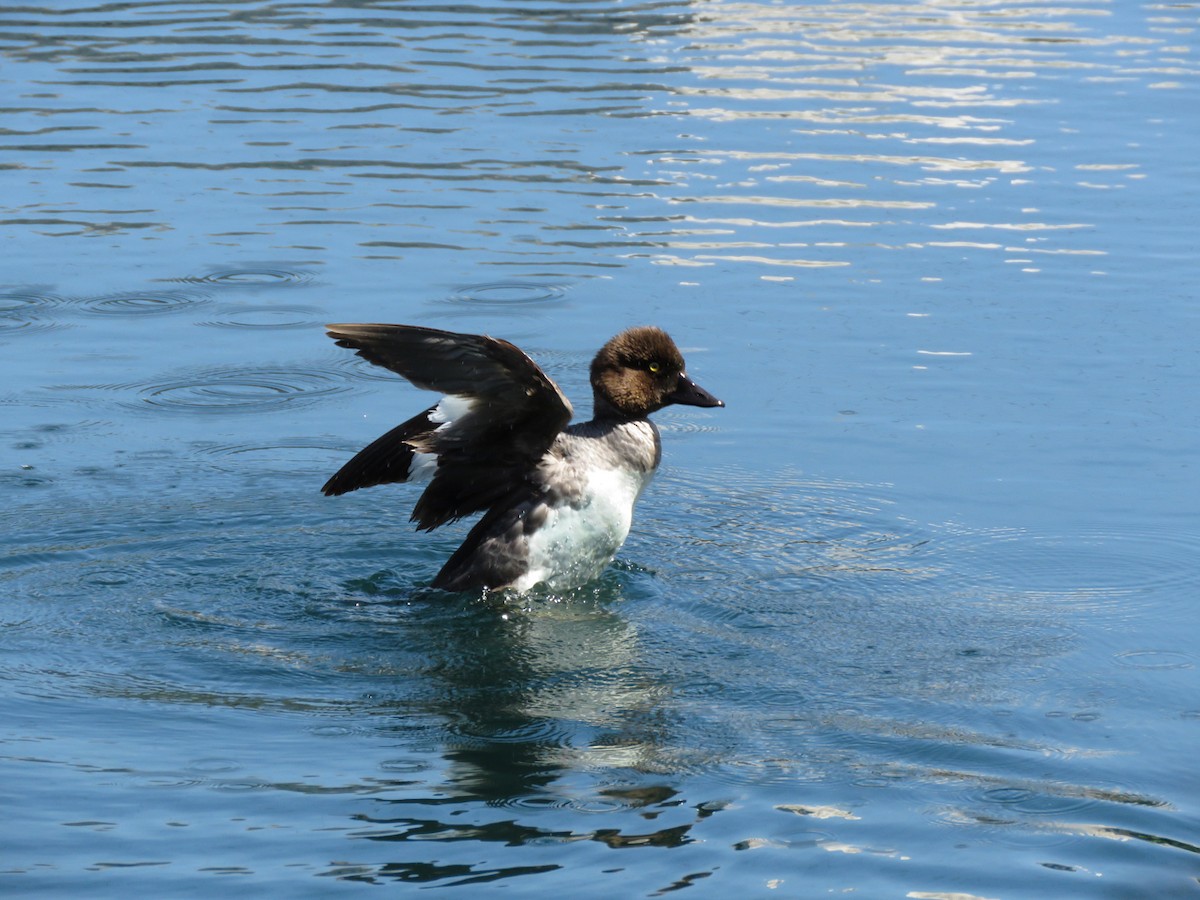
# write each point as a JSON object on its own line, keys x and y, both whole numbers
{"x": 231, "y": 389}
{"x": 509, "y": 293}
{"x": 13, "y": 325}
{"x": 282, "y": 456}
{"x": 32, "y": 301}
{"x": 267, "y": 317}
{"x": 139, "y": 303}
{"x": 28, "y": 311}
{"x": 676, "y": 424}
{"x": 250, "y": 277}
{"x": 1092, "y": 569}
{"x": 1155, "y": 659}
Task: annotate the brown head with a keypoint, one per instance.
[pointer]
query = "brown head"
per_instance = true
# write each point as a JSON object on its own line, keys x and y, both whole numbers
{"x": 640, "y": 371}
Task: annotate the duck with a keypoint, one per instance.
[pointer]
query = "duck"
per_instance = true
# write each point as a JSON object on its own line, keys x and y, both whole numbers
{"x": 556, "y": 498}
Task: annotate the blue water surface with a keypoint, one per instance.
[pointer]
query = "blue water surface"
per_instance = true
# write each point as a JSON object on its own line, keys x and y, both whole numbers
{"x": 914, "y": 616}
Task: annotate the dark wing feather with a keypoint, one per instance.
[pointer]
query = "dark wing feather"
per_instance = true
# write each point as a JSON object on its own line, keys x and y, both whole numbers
{"x": 515, "y": 413}
{"x": 472, "y": 566}
{"x": 386, "y": 460}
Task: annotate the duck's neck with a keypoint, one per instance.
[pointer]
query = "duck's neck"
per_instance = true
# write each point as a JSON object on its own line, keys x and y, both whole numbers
{"x": 603, "y": 411}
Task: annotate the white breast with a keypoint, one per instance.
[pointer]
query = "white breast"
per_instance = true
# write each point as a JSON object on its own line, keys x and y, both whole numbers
{"x": 579, "y": 539}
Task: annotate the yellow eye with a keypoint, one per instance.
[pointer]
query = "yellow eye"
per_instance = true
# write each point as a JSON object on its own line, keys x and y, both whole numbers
{"x": 654, "y": 367}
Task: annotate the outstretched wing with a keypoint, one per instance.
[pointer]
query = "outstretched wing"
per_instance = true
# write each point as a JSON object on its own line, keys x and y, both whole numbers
{"x": 500, "y": 415}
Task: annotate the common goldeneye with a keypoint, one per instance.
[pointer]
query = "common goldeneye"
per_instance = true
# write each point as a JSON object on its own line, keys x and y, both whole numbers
{"x": 557, "y": 500}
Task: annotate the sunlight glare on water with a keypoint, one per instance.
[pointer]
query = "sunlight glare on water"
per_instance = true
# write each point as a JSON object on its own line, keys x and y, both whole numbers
{"x": 910, "y": 617}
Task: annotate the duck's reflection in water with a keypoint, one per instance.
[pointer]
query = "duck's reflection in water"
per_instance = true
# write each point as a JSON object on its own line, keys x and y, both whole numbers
{"x": 549, "y": 712}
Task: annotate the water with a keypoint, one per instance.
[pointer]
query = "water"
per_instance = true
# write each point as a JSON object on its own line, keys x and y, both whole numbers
{"x": 913, "y": 616}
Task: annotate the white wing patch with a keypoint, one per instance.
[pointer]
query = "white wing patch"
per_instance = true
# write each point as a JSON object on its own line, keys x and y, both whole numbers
{"x": 423, "y": 467}
{"x": 450, "y": 409}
